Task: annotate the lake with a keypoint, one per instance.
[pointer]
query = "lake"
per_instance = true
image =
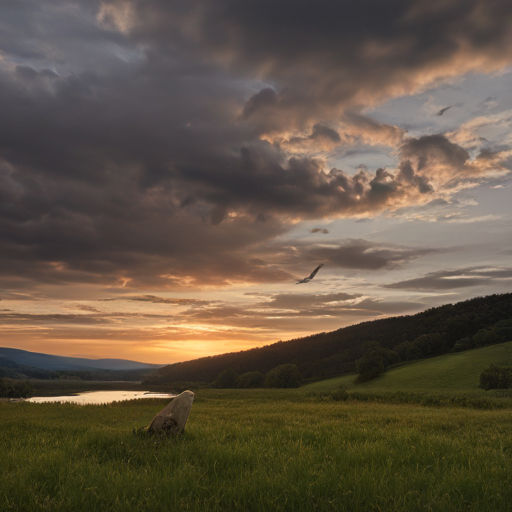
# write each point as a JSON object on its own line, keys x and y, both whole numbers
{"x": 99, "y": 397}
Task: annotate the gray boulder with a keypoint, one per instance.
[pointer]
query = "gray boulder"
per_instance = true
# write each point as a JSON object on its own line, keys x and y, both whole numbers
{"x": 173, "y": 417}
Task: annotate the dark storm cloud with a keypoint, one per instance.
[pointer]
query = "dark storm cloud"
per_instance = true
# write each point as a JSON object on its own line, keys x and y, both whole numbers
{"x": 303, "y": 46}
{"x": 320, "y": 131}
{"x": 276, "y": 38}
{"x": 129, "y": 143}
{"x": 435, "y": 147}
{"x": 449, "y": 279}
{"x": 261, "y": 179}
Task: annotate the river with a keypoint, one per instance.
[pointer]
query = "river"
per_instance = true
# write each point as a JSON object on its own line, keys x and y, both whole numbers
{"x": 99, "y": 397}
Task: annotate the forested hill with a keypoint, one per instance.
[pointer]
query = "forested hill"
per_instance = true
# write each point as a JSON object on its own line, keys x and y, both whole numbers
{"x": 452, "y": 327}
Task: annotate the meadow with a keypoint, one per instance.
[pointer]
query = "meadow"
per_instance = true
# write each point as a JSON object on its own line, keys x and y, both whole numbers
{"x": 256, "y": 450}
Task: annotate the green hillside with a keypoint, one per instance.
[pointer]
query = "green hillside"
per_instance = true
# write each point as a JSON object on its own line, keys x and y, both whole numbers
{"x": 448, "y": 373}
{"x": 482, "y": 321}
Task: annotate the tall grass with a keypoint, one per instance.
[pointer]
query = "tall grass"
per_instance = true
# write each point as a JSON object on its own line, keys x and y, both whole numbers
{"x": 255, "y": 450}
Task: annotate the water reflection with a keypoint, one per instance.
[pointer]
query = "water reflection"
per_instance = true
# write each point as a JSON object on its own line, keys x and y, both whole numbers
{"x": 99, "y": 397}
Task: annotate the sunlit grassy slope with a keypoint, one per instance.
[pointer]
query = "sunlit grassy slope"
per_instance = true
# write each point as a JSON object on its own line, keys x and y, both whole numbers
{"x": 448, "y": 373}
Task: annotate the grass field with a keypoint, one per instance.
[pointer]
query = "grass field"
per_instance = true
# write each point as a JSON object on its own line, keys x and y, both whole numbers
{"x": 453, "y": 373}
{"x": 256, "y": 450}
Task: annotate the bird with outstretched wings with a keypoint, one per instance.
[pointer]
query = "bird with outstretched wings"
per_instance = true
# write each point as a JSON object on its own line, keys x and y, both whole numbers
{"x": 313, "y": 274}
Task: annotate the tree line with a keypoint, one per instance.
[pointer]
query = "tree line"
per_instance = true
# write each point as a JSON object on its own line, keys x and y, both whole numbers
{"x": 282, "y": 376}
{"x": 12, "y": 370}
{"x": 10, "y": 388}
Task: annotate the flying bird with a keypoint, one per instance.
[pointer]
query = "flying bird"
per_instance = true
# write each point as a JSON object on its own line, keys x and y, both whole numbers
{"x": 313, "y": 274}
{"x": 443, "y": 110}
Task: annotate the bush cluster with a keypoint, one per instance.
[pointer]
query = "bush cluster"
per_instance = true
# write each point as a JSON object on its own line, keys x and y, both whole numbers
{"x": 496, "y": 377}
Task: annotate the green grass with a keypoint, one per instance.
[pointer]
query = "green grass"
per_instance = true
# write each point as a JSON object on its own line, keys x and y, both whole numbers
{"x": 256, "y": 450}
{"x": 452, "y": 373}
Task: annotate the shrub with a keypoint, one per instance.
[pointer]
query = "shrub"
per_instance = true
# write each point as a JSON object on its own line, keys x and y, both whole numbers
{"x": 226, "y": 379}
{"x": 341, "y": 394}
{"x": 283, "y": 376}
{"x": 251, "y": 380}
{"x": 496, "y": 377}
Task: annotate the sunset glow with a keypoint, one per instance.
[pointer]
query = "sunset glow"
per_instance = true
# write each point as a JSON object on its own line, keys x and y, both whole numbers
{"x": 170, "y": 170}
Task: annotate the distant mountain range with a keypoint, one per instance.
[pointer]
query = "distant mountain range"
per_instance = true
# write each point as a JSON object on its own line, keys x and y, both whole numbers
{"x": 55, "y": 363}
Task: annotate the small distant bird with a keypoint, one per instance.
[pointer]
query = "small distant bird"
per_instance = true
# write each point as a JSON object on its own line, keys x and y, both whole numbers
{"x": 443, "y": 110}
{"x": 313, "y": 274}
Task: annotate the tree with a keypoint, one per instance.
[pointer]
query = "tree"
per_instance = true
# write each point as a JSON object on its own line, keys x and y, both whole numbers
{"x": 15, "y": 388}
{"x": 486, "y": 337}
{"x": 429, "y": 344}
{"x": 369, "y": 367}
{"x": 283, "y": 376}
{"x": 375, "y": 360}
{"x": 251, "y": 380}
{"x": 226, "y": 379}
{"x": 407, "y": 351}
{"x": 463, "y": 344}
{"x": 503, "y": 329}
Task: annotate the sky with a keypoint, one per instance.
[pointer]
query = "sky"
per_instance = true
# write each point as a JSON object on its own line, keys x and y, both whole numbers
{"x": 169, "y": 169}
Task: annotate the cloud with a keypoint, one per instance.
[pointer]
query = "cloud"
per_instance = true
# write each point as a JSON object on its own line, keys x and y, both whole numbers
{"x": 398, "y": 49}
{"x": 450, "y": 279}
{"x": 42, "y": 319}
{"x": 132, "y": 144}
{"x": 299, "y": 301}
{"x": 349, "y": 131}
{"x": 365, "y": 255}
{"x": 283, "y": 309}
{"x": 162, "y": 300}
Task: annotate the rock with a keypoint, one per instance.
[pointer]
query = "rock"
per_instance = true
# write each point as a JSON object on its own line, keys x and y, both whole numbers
{"x": 173, "y": 417}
